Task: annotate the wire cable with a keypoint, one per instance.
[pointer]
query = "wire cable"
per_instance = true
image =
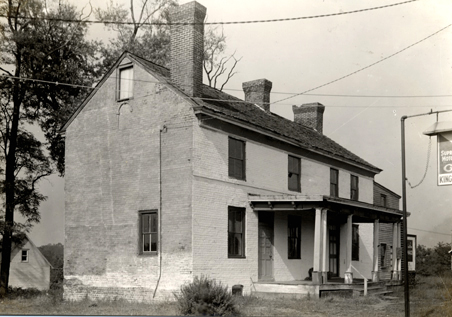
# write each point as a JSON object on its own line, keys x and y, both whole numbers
{"x": 364, "y": 68}
{"x": 218, "y": 23}
{"x": 446, "y": 234}
{"x": 281, "y": 93}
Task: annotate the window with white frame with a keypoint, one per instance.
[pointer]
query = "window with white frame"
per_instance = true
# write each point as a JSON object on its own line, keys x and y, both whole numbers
{"x": 148, "y": 243}
{"x": 24, "y": 257}
{"x": 236, "y": 232}
{"x": 125, "y": 83}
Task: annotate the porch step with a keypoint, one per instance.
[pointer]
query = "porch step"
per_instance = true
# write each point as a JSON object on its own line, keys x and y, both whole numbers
{"x": 376, "y": 291}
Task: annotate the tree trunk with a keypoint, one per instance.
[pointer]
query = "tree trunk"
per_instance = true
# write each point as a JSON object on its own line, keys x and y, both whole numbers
{"x": 10, "y": 184}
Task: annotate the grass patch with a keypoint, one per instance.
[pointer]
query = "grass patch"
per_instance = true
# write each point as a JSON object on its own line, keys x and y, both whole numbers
{"x": 430, "y": 297}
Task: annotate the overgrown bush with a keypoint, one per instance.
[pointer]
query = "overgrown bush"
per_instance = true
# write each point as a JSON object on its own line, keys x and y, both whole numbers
{"x": 24, "y": 293}
{"x": 433, "y": 261}
{"x": 206, "y": 297}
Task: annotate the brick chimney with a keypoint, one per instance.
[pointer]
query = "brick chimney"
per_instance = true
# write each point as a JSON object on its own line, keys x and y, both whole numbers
{"x": 310, "y": 114}
{"x": 187, "y": 47}
{"x": 258, "y": 92}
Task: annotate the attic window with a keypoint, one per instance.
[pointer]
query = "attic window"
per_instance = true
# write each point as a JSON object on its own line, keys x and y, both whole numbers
{"x": 125, "y": 83}
{"x": 24, "y": 256}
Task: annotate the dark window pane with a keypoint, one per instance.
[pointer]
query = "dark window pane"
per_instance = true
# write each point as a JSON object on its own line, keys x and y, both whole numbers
{"x": 294, "y": 165}
{"x": 154, "y": 224}
{"x": 293, "y": 182}
{"x": 294, "y": 238}
{"x": 355, "y": 243}
{"x": 154, "y": 241}
{"x": 238, "y": 244}
{"x": 231, "y": 243}
{"x": 146, "y": 242}
{"x": 238, "y": 166}
{"x": 145, "y": 221}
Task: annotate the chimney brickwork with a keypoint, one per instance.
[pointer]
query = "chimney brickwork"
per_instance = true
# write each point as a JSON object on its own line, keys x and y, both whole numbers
{"x": 310, "y": 115}
{"x": 187, "y": 47}
{"x": 258, "y": 92}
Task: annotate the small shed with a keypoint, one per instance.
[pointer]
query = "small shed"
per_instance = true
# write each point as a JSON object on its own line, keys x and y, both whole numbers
{"x": 29, "y": 267}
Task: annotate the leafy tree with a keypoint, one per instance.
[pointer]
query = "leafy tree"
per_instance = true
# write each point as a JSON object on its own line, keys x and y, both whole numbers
{"x": 54, "y": 253}
{"x": 433, "y": 261}
{"x": 48, "y": 51}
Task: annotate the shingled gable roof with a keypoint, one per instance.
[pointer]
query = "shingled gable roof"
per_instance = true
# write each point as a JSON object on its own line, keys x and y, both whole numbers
{"x": 250, "y": 114}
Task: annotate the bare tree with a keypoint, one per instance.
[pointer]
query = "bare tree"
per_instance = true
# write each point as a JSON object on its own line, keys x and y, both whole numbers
{"x": 216, "y": 63}
{"x": 152, "y": 41}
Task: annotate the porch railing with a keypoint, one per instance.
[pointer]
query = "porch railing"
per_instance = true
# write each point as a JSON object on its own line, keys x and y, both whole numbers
{"x": 365, "y": 279}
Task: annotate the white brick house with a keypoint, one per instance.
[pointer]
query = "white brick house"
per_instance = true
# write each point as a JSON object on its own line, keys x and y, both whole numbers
{"x": 167, "y": 179}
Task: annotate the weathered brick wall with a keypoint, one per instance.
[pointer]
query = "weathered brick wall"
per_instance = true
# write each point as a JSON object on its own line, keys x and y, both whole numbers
{"x": 112, "y": 172}
{"x": 266, "y": 173}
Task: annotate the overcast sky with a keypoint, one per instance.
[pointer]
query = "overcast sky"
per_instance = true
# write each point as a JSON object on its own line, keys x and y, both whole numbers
{"x": 303, "y": 54}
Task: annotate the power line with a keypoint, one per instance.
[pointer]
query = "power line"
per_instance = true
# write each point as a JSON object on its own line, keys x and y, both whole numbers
{"x": 364, "y": 68}
{"x": 446, "y": 234}
{"x": 282, "y": 93}
{"x": 217, "y": 23}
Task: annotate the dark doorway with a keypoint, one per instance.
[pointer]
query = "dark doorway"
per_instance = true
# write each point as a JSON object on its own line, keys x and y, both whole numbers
{"x": 334, "y": 235}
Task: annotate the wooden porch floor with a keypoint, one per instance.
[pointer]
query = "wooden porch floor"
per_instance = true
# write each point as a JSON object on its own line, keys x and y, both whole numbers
{"x": 301, "y": 288}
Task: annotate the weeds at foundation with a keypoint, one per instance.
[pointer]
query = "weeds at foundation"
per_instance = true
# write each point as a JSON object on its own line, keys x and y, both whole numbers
{"x": 430, "y": 297}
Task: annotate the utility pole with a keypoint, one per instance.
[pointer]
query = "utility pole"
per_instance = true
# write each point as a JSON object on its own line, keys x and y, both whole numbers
{"x": 404, "y": 204}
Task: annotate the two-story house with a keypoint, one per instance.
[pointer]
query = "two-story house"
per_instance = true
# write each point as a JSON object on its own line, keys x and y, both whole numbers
{"x": 167, "y": 179}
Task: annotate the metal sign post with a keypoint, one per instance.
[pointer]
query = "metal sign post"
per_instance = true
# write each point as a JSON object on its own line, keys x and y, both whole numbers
{"x": 435, "y": 131}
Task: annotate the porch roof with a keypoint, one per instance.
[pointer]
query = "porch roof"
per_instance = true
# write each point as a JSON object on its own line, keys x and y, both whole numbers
{"x": 362, "y": 212}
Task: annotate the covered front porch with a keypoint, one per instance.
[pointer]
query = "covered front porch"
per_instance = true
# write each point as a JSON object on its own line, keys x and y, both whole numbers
{"x": 308, "y": 244}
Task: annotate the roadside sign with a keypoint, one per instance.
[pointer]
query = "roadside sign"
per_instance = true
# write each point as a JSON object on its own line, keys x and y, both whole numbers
{"x": 444, "y": 159}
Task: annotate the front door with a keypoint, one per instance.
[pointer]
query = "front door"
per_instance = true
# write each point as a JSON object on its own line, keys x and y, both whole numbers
{"x": 334, "y": 233}
{"x": 266, "y": 223}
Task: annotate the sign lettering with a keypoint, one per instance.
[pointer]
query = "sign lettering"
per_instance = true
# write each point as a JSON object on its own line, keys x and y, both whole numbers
{"x": 445, "y": 159}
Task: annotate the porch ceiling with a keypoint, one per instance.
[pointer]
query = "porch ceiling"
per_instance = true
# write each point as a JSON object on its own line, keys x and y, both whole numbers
{"x": 362, "y": 212}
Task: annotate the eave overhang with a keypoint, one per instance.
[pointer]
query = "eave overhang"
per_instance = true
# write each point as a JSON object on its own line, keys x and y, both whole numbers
{"x": 362, "y": 212}
{"x": 204, "y": 113}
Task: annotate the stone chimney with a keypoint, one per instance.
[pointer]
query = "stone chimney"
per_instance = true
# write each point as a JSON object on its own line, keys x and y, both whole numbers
{"x": 187, "y": 47}
{"x": 258, "y": 92}
{"x": 310, "y": 114}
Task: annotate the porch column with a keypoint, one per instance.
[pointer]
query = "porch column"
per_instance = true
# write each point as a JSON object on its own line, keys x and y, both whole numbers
{"x": 375, "y": 273}
{"x": 399, "y": 244}
{"x": 324, "y": 246}
{"x": 316, "y": 274}
{"x": 348, "y": 245}
{"x": 395, "y": 234}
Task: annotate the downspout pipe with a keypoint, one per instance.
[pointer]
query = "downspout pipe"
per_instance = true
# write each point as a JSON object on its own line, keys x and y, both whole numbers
{"x": 161, "y": 130}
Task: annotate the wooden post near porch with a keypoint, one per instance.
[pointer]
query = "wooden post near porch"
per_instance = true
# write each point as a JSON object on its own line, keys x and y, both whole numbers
{"x": 395, "y": 245}
{"x": 348, "y": 277}
{"x": 324, "y": 246}
{"x": 316, "y": 274}
{"x": 375, "y": 273}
